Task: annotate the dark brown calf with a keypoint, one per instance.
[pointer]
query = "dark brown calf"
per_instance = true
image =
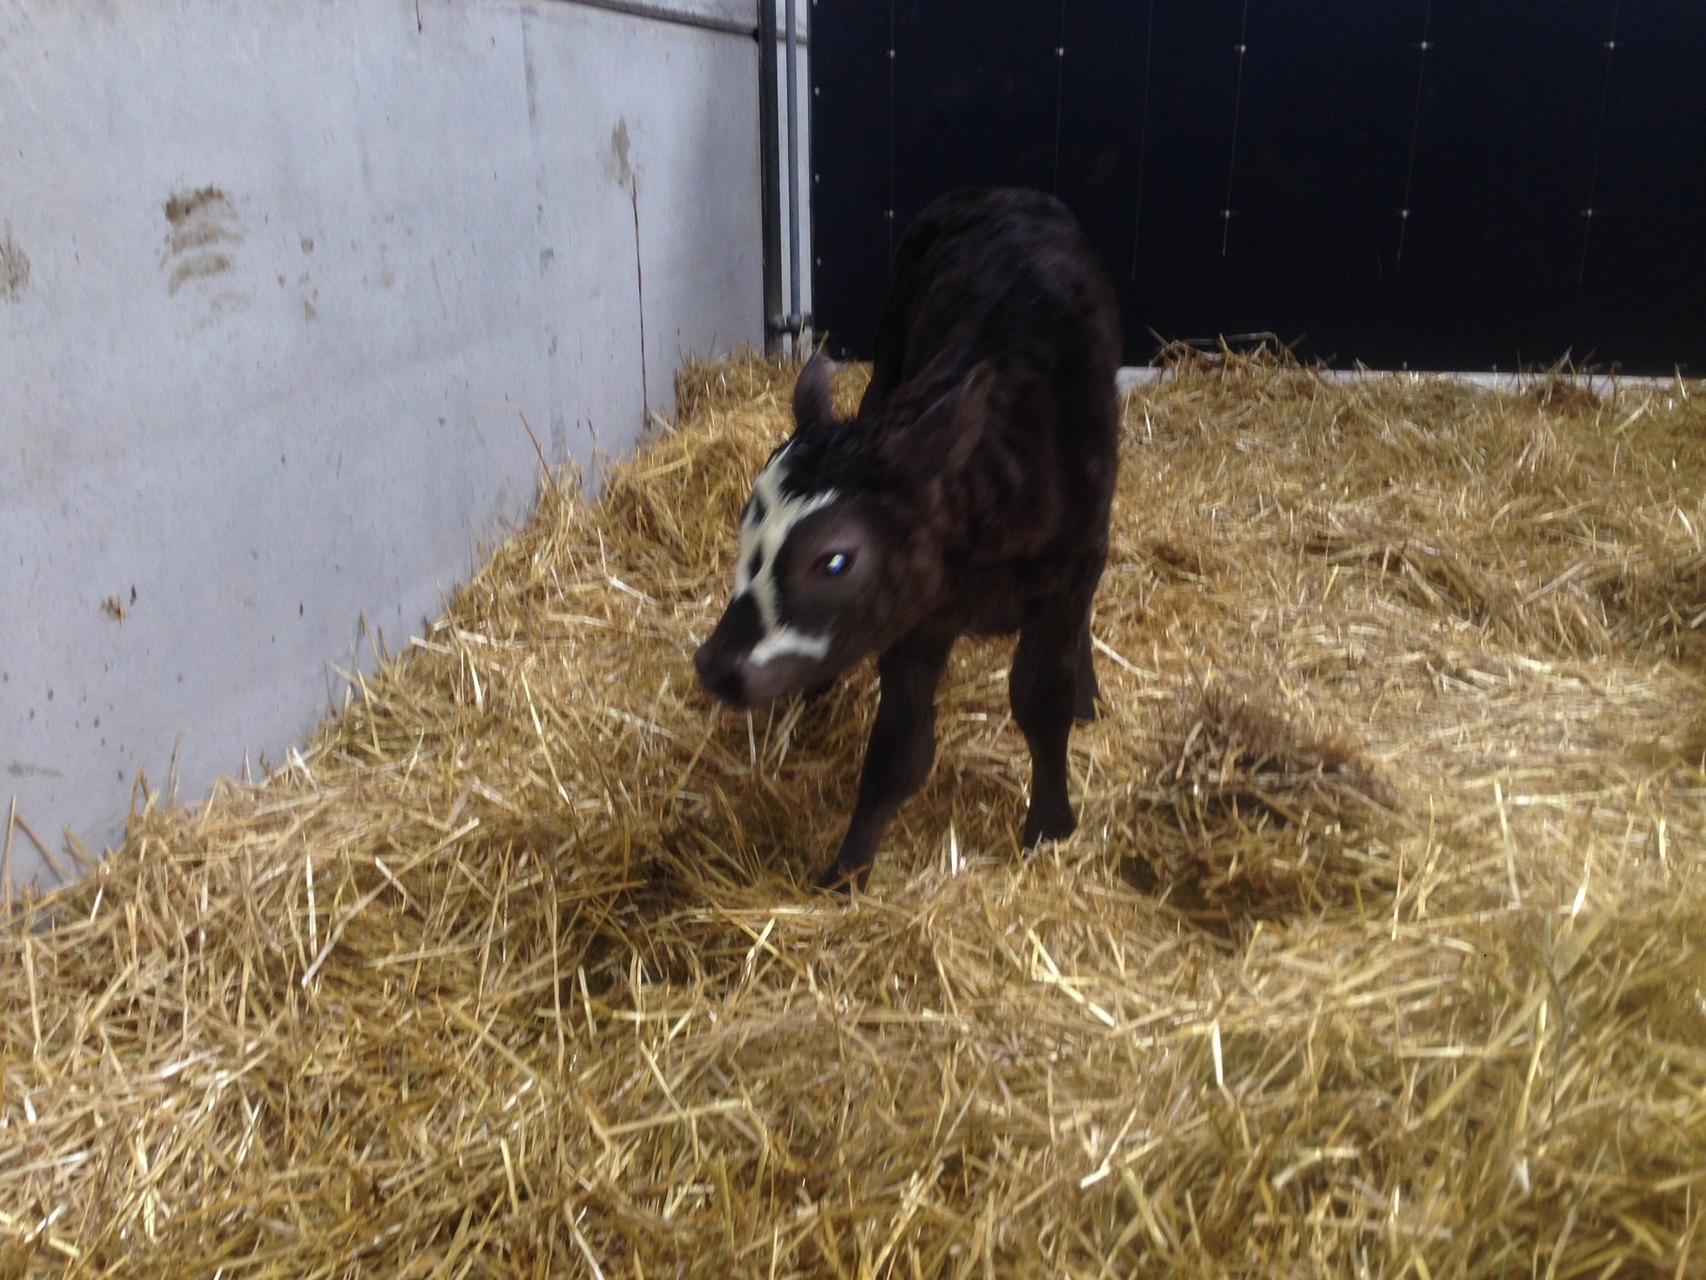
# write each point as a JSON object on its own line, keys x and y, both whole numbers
{"x": 970, "y": 494}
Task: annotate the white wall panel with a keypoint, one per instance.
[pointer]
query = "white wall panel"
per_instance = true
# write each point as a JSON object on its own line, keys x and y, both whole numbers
{"x": 271, "y": 272}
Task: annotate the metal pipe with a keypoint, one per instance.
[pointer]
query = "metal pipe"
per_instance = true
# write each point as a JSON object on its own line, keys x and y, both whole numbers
{"x": 770, "y": 173}
{"x": 661, "y": 12}
{"x": 793, "y": 110}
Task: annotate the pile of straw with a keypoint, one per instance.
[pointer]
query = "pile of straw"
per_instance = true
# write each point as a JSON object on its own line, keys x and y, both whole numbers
{"x": 1381, "y": 949}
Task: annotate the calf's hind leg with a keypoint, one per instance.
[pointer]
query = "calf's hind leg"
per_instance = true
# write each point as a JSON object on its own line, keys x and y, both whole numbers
{"x": 1045, "y": 689}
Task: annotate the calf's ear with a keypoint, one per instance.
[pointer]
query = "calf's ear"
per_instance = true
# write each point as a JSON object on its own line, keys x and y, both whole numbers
{"x": 946, "y": 434}
{"x": 812, "y": 401}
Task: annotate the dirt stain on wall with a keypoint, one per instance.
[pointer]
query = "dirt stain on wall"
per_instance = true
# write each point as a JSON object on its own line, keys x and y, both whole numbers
{"x": 616, "y": 163}
{"x": 184, "y": 204}
{"x": 199, "y": 221}
{"x": 14, "y": 268}
{"x": 207, "y": 264}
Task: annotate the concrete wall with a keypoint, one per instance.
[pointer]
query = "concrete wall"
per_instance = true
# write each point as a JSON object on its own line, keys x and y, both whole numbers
{"x": 277, "y": 280}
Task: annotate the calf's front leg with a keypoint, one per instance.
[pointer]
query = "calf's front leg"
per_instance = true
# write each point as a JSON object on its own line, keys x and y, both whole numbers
{"x": 1085, "y": 689}
{"x": 899, "y": 754}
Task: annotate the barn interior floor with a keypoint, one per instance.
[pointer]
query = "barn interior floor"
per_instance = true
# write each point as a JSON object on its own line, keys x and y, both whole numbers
{"x": 1380, "y": 949}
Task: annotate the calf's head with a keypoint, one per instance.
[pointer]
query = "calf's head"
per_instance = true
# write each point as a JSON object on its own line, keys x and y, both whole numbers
{"x": 839, "y": 545}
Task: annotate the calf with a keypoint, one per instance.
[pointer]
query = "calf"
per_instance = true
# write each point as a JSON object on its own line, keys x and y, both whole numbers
{"x": 970, "y": 494}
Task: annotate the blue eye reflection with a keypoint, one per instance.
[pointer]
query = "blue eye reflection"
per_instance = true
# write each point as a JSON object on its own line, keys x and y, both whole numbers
{"x": 834, "y": 564}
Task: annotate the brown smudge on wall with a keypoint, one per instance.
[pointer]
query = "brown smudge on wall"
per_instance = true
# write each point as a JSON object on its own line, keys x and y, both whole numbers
{"x": 617, "y": 164}
{"x": 202, "y": 265}
{"x": 14, "y": 268}
{"x": 199, "y": 220}
{"x": 185, "y": 203}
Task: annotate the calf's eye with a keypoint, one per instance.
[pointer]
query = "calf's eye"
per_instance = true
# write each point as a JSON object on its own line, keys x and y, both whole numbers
{"x": 834, "y": 564}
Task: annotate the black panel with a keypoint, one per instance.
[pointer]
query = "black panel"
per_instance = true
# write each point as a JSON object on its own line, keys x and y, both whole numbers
{"x": 1266, "y": 190}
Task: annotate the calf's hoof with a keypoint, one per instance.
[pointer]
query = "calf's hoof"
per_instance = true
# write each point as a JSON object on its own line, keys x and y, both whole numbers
{"x": 843, "y": 880}
{"x": 1045, "y": 822}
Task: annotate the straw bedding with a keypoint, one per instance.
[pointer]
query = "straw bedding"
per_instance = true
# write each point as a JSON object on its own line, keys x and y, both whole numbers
{"x": 1380, "y": 951}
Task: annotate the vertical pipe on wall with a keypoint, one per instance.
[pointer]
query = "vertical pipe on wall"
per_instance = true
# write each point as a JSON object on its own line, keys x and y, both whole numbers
{"x": 770, "y": 167}
{"x": 794, "y": 320}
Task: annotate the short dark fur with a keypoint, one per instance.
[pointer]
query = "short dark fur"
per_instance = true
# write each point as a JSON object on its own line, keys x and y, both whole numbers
{"x": 981, "y": 466}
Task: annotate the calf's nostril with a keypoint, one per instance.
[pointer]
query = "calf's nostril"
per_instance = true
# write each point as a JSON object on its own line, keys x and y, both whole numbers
{"x": 726, "y": 684}
{"x": 720, "y": 676}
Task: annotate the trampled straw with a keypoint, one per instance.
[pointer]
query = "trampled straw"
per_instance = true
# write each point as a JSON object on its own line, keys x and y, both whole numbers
{"x": 1381, "y": 949}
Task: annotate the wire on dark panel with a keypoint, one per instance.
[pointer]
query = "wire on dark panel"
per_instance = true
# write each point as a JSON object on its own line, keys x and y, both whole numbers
{"x": 1059, "y": 93}
{"x": 1590, "y": 212}
{"x": 889, "y": 211}
{"x": 1237, "y": 106}
{"x": 1422, "y": 48}
{"x": 1143, "y": 135}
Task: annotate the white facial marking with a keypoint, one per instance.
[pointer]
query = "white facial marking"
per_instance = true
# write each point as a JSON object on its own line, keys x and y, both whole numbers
{"x": 765, "y": 536}
{"x": 782, "y": 641}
